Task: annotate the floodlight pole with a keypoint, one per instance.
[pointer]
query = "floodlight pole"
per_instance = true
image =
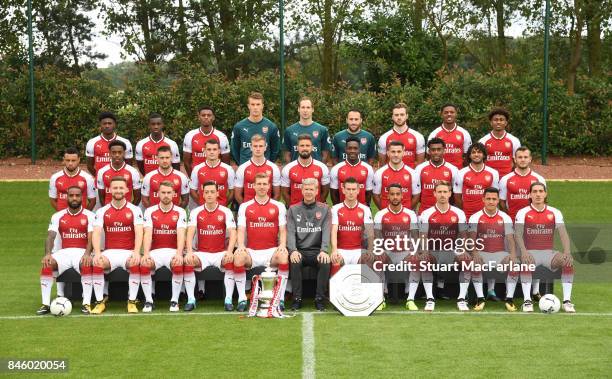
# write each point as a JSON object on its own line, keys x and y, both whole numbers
{"x": 545, "y": 92}
{"x": 281, "y": 49}
{"x": 31, "y": 68}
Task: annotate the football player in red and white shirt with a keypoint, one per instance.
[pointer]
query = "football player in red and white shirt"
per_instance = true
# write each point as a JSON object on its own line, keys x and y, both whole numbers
{"x": 262, "y": 237}
{"x": 493, "y": 229}
{"x": 457, "y": 140}
{"x": 68, "y": 245}
{"x": 194, "y": 144}
{"x": 146, "y": 148}
{"x": 70, "y": 176}
{"x": 501, "y": 145}
{"x": 514, "y": 187}
{"x": 121, "y": 224}
{"x": 294, "y": 173}
{"x": 535, "y": 235}
{"x": 396, "y": 171}
{"x": 352, "y": 167}
{"x": 213, "y": 170}
{"x": 413, "y": 141}
{"x": 443, "y": 225}
{"x": 97, "y": 149}
{"x": 393, "y": 221}
{"x": 118, "y": 167}
{"x": 163, "y": 244}
{"x": 472, "y": 180}
{"x": 165, "y": 172}
{"x": 245, "y": 174}
{"x": 431, "y": 172}
{"x": 351, "y": 222}
{"x": 212, "y": 227}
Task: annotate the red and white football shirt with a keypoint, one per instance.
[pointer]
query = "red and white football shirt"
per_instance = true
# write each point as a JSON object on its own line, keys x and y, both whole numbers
{"x": 195, "y": 143}
{"x": 262, "y": 222}
{"x": 438, "y": 225}
{"x": 429, "y": 175}
{"x": 514, "y": 189}
{"x": 97, "y": 148}
{"x": 500, "y": 151}
{"x": 351, "y": 224}
{"x": 457, "y": 142}
{"x": 146, "y": 151}
{"x": 72, "y": 229}
{"x": 245, "y": 177}
{"x": 471, "y": 185}
{"x": 491, "y": 229}
{"x": 294, "y": 173}
{"x": 414, "y": 143}
{"x": 222, "y": 174}
{"x": 405, "y": 176}
{"x": 393, "y": 224}
{"x": 211, "y": 227}
{"x": 151, "y": 182}
{"x": 61, "y": 181}
{"x": 539, "y": 226}
{"x": 108, "y": 172}
{"x": 363, "y": 172}
{"x": 164, "y": 225}
{"x": 118, "y": 225}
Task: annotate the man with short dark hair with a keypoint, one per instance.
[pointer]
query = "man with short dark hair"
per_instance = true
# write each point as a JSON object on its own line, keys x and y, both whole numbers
{"x": 500, "y": 144}
{"x": 413, "y": 141}
{"x": 71, "y": 175}
{"x": 352, "y": 167}
{"x": 456, "y": 139}
{"x": 118, "y": 167}
{"x": 194, "y": 144}
{"x": 165, "y": 173}
{"x": 367, "y": 142}
{"x": 321, "y": 142}
{"x": 98, "y": 151}
{"x": 146, "y": 148}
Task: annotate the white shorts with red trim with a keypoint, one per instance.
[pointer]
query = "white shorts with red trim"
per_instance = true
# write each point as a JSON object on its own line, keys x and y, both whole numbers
{"x": 210, "y": 259}
{"x": 543, "y": 257}
{"x": 117, "y": 258}
{"x": 350, "y": 257}
{"x": 68, "y": 258}
{"x": 397, "y": 256}
{"x": 162, "y": 257}
{"x": 493, "y": 259}
{"x": 261, "y": 257}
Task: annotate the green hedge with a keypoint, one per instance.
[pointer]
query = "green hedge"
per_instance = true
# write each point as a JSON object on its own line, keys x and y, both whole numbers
{"x": 67, "y": 106}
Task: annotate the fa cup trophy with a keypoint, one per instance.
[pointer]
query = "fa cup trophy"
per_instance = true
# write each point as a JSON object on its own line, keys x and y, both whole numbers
{"x": 266, "y": 296}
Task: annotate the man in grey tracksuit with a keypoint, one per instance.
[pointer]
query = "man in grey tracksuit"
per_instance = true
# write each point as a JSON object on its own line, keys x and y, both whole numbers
{"x": 308, "y": 240}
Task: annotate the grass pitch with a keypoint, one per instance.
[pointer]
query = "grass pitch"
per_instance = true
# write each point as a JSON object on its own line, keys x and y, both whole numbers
{"x": 391, "y": 343}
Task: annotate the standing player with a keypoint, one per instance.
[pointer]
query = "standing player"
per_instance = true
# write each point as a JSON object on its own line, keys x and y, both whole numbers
{"x": 305, "y": 167}
{"x": 118, "y": 167}
{"x": 456, "y": 139}
{"x": 432, "y": 172}
{"x": 367, "y": 142}
{"x": 146, "y": 149}
{"x": 494, "y": 228}
{"x": 256, "y": 123}
{"x": 396, "y": 171}
{"x": 472, "y": 180}
{"x": 262, "y": 237}
{"x": 439, "y": 225}
{"x": 352, "y": 167}
{"x": 165, "y": 173}
{"x": 413, "y": 141}
{"x": 194, "y": 144}
{"x": 500, "y": 144}
{"x": 121, "y": 224}
{"x": 245, "y": 174}
{"x": 98, "y": 149}
{"x": 163, "y": 243}
{"x": 71, "y": 175}
{"x": 514, "y": 187}
{"x": 321, "y": 142}
{"x": 213, "y": 169}
{"x": 535, "y": 235}
{"x": 212, "y": 227}
{"x": 68, "y": 245}
{"x": 308, "y": 235}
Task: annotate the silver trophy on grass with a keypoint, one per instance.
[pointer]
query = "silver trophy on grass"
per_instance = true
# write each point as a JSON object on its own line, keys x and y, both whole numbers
{"x": 265, "y": 295}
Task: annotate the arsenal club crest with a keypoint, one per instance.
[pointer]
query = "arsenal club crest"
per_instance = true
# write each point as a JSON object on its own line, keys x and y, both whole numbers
{"x": 405, "y": 219}
{"x": 315, "y": 134}
{"x": 458, "y": 137}
{"x": 272, "y": 211}
{"x": 219, "y": 218}
{"x": 175, "y": 181}
{"x": 508, "y": 145}
{"x": 487, "y": 177}
{"x": 363, "y": 172}
{"x": 316, "y": 174}
{"x": 81, "y": 183}
{"x": 410, "y": 141}
{"x": 126, "y": 176}
{"x": 550, "y": 217}
{"x": 446, "y": 174}
{"x": 364, "y": 140}
{"x": 174, "y": 218}
{"x": 318, "y": 215}
{"x": 406, "y": 177}
{"x": 128, "y": 215}
{"x": 453, "y": 219}
{"x": 360, "y": 214}
{"x": 83, "y": 221}
{"x": 221, "y": 173}
{"x": 264, "y": 129}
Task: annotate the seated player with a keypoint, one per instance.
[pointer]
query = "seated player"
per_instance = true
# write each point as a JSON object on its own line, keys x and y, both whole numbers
{"x": 213, "y": 169}
{"x": 535, "y": 235}
{"x": 165, "y": 172}
{"x": 397, "y": 220}
{"x": 71, "y": 175}
{"x": 212, "y": 227}
{"x": 439, "y": 225}
{"x": 352, "y": 167}
{"x": 308, "y": 234}
{"x": 163, "y": 244}
{"x": 68, "y": 245}
{"x": 118, "y": 167}
{"x": 244, "y": 189}
{"x": 121, "y": 224}
{"x": 396, "y": 171}
{"x": 262, "y": 237}
{"x": 494, "y": 228}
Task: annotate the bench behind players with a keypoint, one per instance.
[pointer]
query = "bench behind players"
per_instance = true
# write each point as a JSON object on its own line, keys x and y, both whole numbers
{"x": 68, "y": 245}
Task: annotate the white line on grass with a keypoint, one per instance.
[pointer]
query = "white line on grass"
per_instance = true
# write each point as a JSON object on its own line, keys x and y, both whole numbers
{"x": 308, "y": 346}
